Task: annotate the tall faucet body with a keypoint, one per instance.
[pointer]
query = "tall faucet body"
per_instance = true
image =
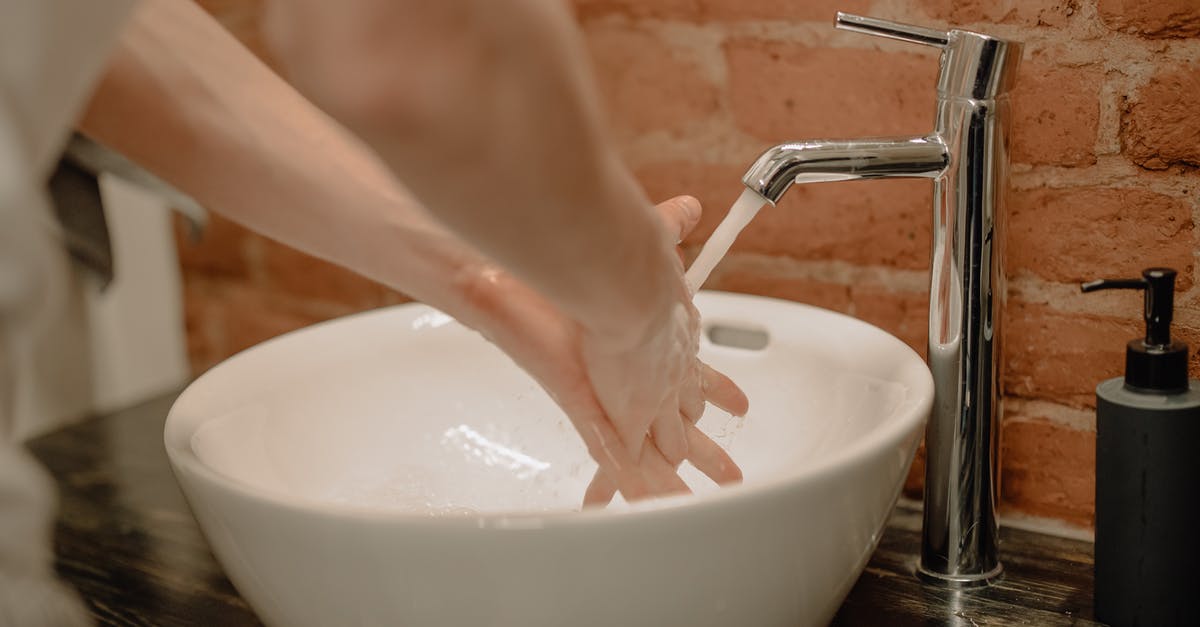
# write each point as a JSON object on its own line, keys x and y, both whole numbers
{"x": 967, "y": 160}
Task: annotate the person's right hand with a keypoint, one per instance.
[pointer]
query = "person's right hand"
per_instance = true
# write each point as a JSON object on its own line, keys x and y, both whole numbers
{"x": 551, "y": 347}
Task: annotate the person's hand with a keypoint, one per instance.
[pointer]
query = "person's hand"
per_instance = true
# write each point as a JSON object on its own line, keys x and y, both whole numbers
{"x": 651, "y": 386}
{"x": 705, "y": 454}
{"x": 674, "y": 400}
{"x": 550, "y": 347}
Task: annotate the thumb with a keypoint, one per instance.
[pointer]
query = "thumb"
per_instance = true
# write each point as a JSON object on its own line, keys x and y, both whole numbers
{"x": 680, "y": 215}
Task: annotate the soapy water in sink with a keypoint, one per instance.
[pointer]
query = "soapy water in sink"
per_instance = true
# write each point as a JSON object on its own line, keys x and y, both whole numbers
{"x": 405, "y": 488}
{"x": 478, "y": 447}
{"x": 727, "y": 432}
{"x": 740, "y": 214}
{"x": 480, "y": 469}
{"x": 467, "y": 469}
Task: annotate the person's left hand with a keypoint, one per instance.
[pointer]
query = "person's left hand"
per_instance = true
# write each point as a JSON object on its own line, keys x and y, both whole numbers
{"x": 547, "y": 343}
{"x": 713, "y": 386}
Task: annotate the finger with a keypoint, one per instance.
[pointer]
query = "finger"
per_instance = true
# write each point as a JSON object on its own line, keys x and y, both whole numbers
{"x": 680, "y": 215}
{"x": 620, "y": 466}
{"x": 600, "y": 491}
{"x": 709, "y": 458}
{"x": 632, "y": 436}
{"x": 721, "y": 391}
{"x": 661, "y": 474}
{"x": 691, "y": 412}
{"x": 667, "y": 431}
{"x": 650, "y": 476}
{"x": 606, "y": 447}
{"x": 706, "y": 455}
{"x": 691, "y": 400}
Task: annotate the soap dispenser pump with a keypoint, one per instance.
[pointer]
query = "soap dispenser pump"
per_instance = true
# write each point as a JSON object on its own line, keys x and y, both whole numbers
{"x": 1148, "y": 472}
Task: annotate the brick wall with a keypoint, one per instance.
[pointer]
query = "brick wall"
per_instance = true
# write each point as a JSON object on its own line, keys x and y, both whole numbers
{"x": 1105, "y": 149}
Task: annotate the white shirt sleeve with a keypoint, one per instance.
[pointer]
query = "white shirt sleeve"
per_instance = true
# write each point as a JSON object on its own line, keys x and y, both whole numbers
{"x": 51, "y": 52}
{"x": 30, "y": 594}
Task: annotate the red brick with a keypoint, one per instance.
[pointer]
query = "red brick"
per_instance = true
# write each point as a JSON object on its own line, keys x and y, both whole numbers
{"x": 721, "y": 10}
{"x": 884, "y": 223}
{"x": 715, "y": 186}
{"x": 646, "y": 84}
{"x": 1020, "y": 12}
{"x": 784, "y": 91}
{"x": 1190, "y": 335}
{"x": 1049, "y": 470}
{"x": 658, "y": 9}
{"x": 1061, "y": 357}
{"x": 817, "y": 293}
{"x": 224, "y": 316}
{"x": 254, "y": 316}
{"x": 807, "y": 11}
{"x": 903, "y": 314}
{"x": 220, "y": 249}
{"x": 1159, "y": 125}
{"x": 205, "y": 335}
{"x": 1075, "y": 234}
{"x": 303, "y": 276}
{"x": 1161, "y": 18}
{"x": 1056, "y": 114}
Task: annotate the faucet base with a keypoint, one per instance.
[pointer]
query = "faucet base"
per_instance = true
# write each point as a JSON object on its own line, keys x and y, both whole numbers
{"x": 961, "y": 582}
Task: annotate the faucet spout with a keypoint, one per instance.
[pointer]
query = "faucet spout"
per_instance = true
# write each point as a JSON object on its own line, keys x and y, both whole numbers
{"x": 844, "y": 160}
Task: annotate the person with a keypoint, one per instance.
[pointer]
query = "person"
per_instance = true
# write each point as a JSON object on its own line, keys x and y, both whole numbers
{"x": 516, "y": 215}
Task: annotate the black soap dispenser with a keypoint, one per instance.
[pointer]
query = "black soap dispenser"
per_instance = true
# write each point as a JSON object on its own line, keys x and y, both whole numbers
{"x": 1148, "y": 473}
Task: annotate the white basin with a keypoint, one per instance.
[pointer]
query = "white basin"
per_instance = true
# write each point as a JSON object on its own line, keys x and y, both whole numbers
{"x": 393, "y": 468}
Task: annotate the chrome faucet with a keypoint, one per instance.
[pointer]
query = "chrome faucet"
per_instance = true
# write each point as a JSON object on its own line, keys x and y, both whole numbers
{"x": 966, "y": 158}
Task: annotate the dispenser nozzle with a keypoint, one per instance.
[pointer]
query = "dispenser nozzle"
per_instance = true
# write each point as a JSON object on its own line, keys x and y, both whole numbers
{"x": 1159, "y": 286}
{"x": 1154, "y": 364}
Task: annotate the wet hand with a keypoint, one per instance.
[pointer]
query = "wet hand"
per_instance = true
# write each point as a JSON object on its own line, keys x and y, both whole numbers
{"x": 683, "y": 386}
{"x": 551, "y": 347}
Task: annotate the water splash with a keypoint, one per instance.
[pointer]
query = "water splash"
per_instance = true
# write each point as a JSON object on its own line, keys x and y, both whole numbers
{"x": 431, "y": 320}
{"x": 492, "y": 454}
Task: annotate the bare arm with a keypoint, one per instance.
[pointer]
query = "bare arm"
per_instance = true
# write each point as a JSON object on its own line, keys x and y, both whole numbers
{"x": 183, "y": 98}
{"x": 187, "y": 101}
{"x": 487, "y": 111}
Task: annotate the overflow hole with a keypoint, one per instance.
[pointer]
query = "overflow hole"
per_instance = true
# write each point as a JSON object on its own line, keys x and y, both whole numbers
{"x": 737, "y": 336}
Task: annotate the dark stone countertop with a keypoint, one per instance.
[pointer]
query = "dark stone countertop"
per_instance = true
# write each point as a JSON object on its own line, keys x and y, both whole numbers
{"x": 128, "y": 543}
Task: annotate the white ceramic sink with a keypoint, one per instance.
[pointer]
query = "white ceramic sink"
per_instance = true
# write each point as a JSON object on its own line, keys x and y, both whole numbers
{"x": 393, "y": 468}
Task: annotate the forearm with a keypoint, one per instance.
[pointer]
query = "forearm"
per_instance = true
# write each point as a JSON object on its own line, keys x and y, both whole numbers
{"x": 487, "y": 111}
{"x": 185, "y": 100}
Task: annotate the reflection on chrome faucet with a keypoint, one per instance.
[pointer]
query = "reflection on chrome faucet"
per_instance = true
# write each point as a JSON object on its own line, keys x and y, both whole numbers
{"x": 966, "y": 158}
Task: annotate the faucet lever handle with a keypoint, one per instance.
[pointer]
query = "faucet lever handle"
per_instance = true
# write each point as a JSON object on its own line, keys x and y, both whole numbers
{"x": 892, "y": 30}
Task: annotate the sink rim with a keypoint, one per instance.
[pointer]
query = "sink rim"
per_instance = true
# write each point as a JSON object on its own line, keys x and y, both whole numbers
{"x": 917, "y": 407}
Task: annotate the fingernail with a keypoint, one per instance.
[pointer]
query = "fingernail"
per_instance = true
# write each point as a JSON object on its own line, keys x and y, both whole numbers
{"x": 690, "y": 206}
